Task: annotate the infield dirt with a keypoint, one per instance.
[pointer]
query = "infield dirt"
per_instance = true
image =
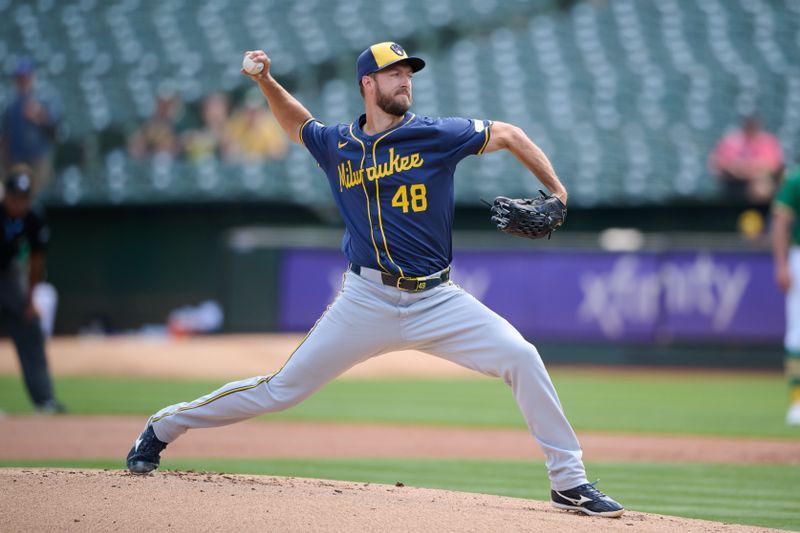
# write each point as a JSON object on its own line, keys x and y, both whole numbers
{"x": 95, "y": 500}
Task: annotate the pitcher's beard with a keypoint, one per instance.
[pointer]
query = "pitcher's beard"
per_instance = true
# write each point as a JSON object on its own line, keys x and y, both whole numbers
{"x": 391, "y": 106}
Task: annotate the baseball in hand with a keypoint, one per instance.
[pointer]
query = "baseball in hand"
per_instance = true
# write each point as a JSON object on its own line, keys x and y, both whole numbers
{"x": 251, "y": 67}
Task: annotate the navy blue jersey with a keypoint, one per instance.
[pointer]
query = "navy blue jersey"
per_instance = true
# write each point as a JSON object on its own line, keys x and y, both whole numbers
{"x": 395, "y": 189}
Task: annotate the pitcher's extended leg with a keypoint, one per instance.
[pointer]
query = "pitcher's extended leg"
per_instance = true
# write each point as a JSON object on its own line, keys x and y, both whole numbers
{"x": 352, "y": 330}
{"x": 472, "y": 335}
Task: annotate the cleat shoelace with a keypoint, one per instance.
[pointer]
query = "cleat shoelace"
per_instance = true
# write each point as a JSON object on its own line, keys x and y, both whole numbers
{"x": 593, "y": 492}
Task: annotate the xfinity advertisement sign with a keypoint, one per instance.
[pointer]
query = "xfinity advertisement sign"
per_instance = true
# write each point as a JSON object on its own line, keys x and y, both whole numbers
{"x": 589, "y": 296}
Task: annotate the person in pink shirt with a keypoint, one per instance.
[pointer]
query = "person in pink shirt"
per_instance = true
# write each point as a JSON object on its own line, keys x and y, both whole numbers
{"x": 749, "y": 161}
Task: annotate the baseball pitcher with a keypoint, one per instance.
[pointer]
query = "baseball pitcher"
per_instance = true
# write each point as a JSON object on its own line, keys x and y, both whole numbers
{"x": 391, "y": 175}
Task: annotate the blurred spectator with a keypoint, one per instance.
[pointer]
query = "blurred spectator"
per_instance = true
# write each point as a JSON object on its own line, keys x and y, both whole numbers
{"x": 159, "y": 135}
{"x": 205, "y": 317}
{"x": 210, "y": 141}
{"x": 25, "y": 237}
{"x": 254, "y": 134}
{"x": 28, "y": 128}
{"x": 749, "y": 161}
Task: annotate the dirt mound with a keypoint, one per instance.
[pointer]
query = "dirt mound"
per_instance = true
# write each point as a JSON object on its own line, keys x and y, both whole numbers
{"x": 94, "y": 500}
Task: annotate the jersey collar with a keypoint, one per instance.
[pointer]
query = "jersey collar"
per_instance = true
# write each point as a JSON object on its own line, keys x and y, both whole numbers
{"x": 363, "y": 119}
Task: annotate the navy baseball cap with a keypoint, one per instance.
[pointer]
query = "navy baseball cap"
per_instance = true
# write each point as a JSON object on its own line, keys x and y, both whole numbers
{"x": 379, "y": 56}
{"x": 18, "y": 183}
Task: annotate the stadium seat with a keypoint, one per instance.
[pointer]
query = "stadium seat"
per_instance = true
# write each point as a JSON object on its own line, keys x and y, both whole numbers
{"x": 626, "y": 97}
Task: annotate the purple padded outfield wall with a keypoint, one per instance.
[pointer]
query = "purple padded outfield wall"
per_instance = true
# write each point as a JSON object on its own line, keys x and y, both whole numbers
{"x": 585, "y": 296}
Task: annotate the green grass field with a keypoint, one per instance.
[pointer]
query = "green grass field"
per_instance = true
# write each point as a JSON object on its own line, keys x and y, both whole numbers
{"x": 745, "y": 494}
{"x": 667, "y": 403}
{"x": 702, "y": 404}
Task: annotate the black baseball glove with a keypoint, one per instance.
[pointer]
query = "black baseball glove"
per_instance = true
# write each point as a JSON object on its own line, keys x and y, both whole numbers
{"x": 533, "y": 218}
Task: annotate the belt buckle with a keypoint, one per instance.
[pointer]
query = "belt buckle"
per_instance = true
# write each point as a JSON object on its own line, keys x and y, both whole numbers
{"x": 399, "y": 280}
{"x": 418, "y": 285}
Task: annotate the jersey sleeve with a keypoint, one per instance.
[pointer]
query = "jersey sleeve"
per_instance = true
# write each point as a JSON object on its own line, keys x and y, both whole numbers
{"x": 315, "y": 136}
{"x": 789, "y": 194}
{"x": 463, "y": 136}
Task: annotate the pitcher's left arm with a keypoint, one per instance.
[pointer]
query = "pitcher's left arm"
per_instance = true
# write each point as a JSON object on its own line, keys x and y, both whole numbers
{"x": 506, "y": 136}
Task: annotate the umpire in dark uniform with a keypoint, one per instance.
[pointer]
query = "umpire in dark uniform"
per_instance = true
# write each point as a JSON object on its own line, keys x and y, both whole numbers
{"x": 22, "y": 247}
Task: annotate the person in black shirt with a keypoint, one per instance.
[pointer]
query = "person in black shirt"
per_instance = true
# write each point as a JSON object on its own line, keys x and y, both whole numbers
{"x": 22, "y": 247}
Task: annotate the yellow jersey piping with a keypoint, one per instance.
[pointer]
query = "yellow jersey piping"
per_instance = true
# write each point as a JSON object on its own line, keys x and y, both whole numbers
{"x": 378, "y": 192}
{"x": 260, "y": 381}
{"x": 486, "y": 142}
{"x": 302, "y": 126}
{"x": 364, "y": 186}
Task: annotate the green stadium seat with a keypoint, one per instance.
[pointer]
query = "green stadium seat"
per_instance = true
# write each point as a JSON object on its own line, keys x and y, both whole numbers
{"x": 626, "y": 97}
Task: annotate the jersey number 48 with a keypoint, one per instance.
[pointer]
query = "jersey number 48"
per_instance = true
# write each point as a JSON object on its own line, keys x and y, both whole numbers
{"x": 419, "y": 199}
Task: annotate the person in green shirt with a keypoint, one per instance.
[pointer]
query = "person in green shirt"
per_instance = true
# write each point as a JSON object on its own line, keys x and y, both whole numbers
{"x": 786, "y": 251}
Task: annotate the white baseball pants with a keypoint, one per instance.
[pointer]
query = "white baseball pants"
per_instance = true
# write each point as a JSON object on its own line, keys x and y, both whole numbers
{"x": 791, "y": 341}
{"x": 367, "y": 319}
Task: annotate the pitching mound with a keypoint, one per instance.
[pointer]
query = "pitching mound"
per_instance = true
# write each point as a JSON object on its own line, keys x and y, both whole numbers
{"x": 93, "y": 500}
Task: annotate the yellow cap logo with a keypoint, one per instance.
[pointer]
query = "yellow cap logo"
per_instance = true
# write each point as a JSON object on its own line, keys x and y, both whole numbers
{"x": 385, "y": 53}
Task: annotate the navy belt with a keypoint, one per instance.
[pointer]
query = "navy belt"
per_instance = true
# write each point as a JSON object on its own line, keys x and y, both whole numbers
{"x": 404, "y": 283}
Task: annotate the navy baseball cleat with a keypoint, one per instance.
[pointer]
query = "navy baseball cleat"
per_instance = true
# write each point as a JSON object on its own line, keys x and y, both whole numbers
{"x": 145, "y": 456}
{"x": 586, "y": 499}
